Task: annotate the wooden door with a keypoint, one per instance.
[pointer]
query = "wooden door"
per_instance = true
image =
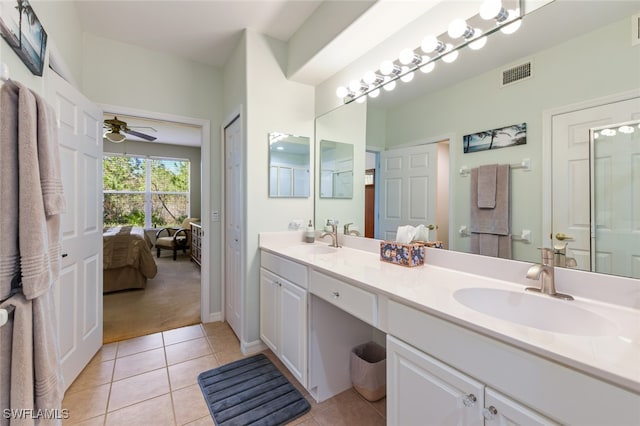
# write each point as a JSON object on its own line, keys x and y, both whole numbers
{"x": 233, "y": 225}
{"x": 571, "y": 211}
{"x": 78, "y": 293}
{"x": 407, "y": 188}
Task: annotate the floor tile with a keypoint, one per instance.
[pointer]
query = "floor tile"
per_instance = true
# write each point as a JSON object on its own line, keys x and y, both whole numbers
{"x": 139, "y": 363}
{"x": 94, "y": 421}
{"x": 138, "y": 388}
{"x": 182, "y": 334}
{"x": 156, "y": 412}
{"x": 224, "y": 342}
{"x": 186, "y": 373}
{"x": 203, "y": 421}
{"x": 189, "y": 404}
{"x": 348, "y": 409}
{"x": 184, "y": 351}
{"x": 94, "y": 374}
{"x": 229, "y": 355}
{"x": 86, "y": 404}
{"x": 107, "y": 352}
{"x": 139, "y": 344}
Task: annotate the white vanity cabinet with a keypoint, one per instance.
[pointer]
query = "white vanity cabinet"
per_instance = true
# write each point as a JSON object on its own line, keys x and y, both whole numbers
{"x": 422, "y": 390}
{"x": 283, "y": 312}
{"x": 435, "y": 363}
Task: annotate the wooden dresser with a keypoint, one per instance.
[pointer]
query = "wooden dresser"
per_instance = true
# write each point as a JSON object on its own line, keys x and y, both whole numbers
{"x": 196, "y": 242}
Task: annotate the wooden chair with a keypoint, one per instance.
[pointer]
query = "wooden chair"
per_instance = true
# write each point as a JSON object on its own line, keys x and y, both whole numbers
{"x": 175, "y": 238}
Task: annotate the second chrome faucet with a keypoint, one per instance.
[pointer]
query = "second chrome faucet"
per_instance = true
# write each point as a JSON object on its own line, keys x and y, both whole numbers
{"x": 544, "y": 272}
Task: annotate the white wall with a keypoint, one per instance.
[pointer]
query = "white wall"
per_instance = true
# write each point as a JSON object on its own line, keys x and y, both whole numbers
{"x": 274, "y": 104}
{"x": 169, "y": 151}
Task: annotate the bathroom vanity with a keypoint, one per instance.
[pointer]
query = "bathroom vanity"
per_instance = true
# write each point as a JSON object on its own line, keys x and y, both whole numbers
{"x": 463, "y": 346}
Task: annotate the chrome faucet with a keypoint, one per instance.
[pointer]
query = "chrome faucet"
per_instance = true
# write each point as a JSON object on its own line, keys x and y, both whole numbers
{"x": 333, "y": 234}
{"x": 545, "y": 273}
{"x": 560, "y": 256}
{"x": 348, "y": 231}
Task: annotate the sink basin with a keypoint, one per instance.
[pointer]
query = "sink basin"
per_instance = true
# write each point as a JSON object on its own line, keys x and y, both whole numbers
{"x": 312, "y": 249}
{"x": 537, "y": 311}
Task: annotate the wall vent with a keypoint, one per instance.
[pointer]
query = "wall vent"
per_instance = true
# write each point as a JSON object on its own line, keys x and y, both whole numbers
{"x": 516, "y": 73}
{"x": 635, "y": 29}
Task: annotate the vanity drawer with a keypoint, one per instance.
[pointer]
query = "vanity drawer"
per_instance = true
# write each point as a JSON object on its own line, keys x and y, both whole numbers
{"x": 353, "y": 300}
{"x": 288, "y": 269}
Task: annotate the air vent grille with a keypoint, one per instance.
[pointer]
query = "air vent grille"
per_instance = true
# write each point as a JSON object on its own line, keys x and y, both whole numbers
{"x": 516, "y": 73}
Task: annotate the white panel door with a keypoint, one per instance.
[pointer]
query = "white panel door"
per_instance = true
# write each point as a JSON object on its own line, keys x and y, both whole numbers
{"x": 503, "y": 411}
{"x": 423, "y": 391}
{"x": 570, "y": 170}
{"x": 269, "y": 310}
{"x": 293, "y": 329}
{"x": 78, "y": 293}
{"x": 407, "y": 188}
{"x": 233, "y": 225}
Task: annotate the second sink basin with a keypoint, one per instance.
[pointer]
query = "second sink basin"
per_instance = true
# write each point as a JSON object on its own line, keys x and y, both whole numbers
{"x": 537, "y": 311}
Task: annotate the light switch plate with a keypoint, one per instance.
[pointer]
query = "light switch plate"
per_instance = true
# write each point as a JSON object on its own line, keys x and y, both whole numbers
{"x": 215, "y": 216}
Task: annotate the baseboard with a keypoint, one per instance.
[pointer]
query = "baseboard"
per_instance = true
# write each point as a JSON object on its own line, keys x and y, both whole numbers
{"x": 213, "y": 317}
{"x": 252, "y": 347}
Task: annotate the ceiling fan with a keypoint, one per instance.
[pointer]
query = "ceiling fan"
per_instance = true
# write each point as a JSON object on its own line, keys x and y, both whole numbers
{"x": 116, "y": 126}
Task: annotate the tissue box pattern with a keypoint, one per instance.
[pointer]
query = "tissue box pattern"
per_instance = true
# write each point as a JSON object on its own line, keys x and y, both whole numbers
{"x": 402, "y": 254}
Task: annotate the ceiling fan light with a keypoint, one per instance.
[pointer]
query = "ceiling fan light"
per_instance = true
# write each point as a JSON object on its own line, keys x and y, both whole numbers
{"x": 114, "y": 137}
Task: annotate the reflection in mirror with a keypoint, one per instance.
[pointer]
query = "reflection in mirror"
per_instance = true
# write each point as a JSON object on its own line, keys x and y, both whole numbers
{"x": 336, "y": 169}
{"x": 468, "y": 96}
{"x": 289, "y": 166}
{"x": 615, "y": 155}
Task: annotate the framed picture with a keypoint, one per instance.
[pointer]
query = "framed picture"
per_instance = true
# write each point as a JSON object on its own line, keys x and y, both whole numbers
{"x": 497, "y": 138}
{"x": 22, "y": 29}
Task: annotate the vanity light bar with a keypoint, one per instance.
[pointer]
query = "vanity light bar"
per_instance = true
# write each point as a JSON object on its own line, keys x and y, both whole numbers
{"x": 445, "y": 46}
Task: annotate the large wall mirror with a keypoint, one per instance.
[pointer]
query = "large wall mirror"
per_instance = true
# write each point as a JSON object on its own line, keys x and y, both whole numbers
{"x": 467, "y": 97}
{"x": 289, "y": 166}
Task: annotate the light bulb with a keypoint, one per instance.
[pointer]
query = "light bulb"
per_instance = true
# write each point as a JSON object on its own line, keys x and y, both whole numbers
{"x": 429, "y": 44}
{"x": 512, "y": 27}
{"x": 387, "y": 67}
{"x": 457, "y": 28}
{"x": 451, "y": 56}
{"x": 342, "y": 92}
{"x": 406, "y": 56}
{"x": 361, "y": 99}
{"x": 408, "y": 76}
{"x": 608, "y": 132}
{"x": 490, "y": 9}
{"x": 389, "y": 85}
{"x": 369, "y": 77}
{"x": 625, "y": 129}
{"x": 478, "y": 43}
{"x": 596, "y": 135}
{"x": 355, "y": 86}
{"x": 429, "y": 67}
{"x": 374, "y": 93}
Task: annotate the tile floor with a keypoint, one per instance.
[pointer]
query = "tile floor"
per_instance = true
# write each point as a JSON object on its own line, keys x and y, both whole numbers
{"x": 151, "y": 380}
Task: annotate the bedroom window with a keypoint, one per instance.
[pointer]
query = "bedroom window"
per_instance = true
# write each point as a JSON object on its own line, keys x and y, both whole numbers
{"x": 142, "y": 191}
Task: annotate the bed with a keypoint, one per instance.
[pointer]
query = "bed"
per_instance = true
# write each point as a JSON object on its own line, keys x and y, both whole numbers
{"x": 127, "y": 258}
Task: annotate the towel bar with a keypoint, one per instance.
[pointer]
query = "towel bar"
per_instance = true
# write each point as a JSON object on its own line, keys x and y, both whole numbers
{"x": 525, "y": 235}
{"x": 524, "y": 164}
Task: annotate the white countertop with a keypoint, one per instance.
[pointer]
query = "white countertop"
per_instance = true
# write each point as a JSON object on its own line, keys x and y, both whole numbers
{"x": 614, "y": 358}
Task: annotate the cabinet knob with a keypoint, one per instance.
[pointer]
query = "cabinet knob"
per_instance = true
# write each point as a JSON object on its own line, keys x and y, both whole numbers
{"x": 335, "y": 294}
{"x": 490, "y": 413}
{"x": 469, "y": 400}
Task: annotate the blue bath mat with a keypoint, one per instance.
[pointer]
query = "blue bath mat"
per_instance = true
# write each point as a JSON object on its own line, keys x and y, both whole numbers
{"x": 251, "y": 391}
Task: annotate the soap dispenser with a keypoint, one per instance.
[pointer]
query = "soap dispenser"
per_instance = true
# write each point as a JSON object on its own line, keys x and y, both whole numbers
{"x": 311, "y": 233}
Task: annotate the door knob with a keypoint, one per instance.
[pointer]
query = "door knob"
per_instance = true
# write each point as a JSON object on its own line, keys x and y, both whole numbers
{"x": 561, "y": 237}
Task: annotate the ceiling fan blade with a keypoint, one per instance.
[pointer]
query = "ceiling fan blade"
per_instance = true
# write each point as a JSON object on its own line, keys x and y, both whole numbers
{"x": 140, "y": 135}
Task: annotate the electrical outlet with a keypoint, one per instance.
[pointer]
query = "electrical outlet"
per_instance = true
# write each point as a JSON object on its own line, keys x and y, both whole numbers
{"x": 215, "y": 216}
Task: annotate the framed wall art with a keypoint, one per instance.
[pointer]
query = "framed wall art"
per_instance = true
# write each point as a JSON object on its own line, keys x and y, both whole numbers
{"x": 22, "y": 29}
{"x": 503, "y": 137}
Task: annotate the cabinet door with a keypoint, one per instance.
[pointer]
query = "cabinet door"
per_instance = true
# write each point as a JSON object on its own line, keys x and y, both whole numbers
{"x": 504, "y": 411}
{"x": 293, "y": 329}
{"x": 269, "y": 308}
{"x": 423, "y": 391}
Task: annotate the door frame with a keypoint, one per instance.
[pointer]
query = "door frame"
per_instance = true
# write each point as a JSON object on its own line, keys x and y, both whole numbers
{"x": 547, "y": 140}
{"x": 205, "y": 191}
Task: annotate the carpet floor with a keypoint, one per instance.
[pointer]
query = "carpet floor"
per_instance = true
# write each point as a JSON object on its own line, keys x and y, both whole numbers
{"x": 171, "y": 300}
{"x": 251, "y": 391}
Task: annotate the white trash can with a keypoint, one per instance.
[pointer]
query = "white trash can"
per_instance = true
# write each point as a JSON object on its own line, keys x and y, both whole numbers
{"x": 369, "y": 371}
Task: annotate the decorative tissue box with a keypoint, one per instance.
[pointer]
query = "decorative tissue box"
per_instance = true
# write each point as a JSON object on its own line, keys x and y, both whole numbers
{"x": 402, "y": 254}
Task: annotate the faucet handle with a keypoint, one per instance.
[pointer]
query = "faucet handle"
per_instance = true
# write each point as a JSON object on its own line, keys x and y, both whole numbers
{"x": 547, "y": 256}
